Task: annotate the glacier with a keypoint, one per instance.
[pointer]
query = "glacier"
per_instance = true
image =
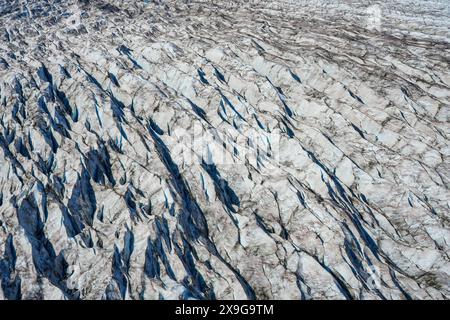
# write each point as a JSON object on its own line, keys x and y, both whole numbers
{"x": 224, "y": 149}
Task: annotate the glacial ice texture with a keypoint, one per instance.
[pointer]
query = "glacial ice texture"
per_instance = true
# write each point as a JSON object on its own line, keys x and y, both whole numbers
{"x": 224, "y": 149}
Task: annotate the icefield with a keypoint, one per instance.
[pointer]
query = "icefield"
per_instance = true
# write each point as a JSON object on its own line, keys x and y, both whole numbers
{"x": 284, "y": 149}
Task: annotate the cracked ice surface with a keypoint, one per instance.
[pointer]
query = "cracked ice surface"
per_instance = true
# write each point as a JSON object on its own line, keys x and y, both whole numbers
{"x": 224, "y": 149}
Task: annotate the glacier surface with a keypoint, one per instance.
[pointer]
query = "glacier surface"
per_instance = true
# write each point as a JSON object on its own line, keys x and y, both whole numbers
{"x": 224, "y": 149}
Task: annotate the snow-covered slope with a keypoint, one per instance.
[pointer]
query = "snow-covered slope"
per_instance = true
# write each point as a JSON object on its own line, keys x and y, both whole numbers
{"x": 224, "y": 149}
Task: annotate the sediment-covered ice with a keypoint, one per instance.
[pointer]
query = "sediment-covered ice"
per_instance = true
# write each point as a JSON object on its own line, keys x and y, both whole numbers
{"x": 224, "y": 149}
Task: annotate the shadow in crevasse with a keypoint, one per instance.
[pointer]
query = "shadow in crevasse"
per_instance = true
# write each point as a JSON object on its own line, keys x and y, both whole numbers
{"x": 193, "y": 222}
{"x": 10, "y": 283}
{"x": 226, "y": 195}
{"x": 46, "y": 262}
